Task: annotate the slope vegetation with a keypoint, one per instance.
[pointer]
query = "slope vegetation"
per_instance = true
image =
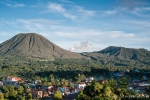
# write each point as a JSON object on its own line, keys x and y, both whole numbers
{"x": 120, "y": 56}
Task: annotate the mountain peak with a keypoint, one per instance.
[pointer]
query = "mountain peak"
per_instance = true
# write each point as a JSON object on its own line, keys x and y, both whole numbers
{"x": 29, "y": 34}
{"x": 126, "y": 53}
{"x": 34, "y": 45}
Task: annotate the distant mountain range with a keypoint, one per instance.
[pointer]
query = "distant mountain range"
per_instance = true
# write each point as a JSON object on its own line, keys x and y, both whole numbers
{"x": 37, "y": 46}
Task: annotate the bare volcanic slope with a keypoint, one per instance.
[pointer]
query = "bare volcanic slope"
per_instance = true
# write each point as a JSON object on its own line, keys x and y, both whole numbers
{"x": 34, "y": 45}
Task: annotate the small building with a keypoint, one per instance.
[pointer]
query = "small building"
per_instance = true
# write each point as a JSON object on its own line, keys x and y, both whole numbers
{"x": 80, "y": 86}
{"x": 45, "y": 94}
{"x": 64, "y": 90}
{"x": 32, "y": 86}
{"x": 36, "y": 82}
{"x": 12, "y": 79}
{"x": 102, "y": 81}
{"x": 52, "y": 90}
{"x": 46, "y": 87}
{"x": 37, "y": 93}
{"x": 1, "y": 83}
{"x": 89, "y": 79}
{"x": 11, "y": 83}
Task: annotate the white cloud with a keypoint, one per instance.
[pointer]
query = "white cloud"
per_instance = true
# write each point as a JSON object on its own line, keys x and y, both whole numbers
{"x": 2, "y": 33}
{"x": 18, "y": 5}
{"x": 125, "y": 11}
{"x": 82, "y": 45}
{"x": 11, "y": 3}
{"x": 72, "y": 11}
{"x": 138, "y": 23}
{"x": 15, "y": 5}
{"x": 42, "y": 21}
{"x": 109, "y": 12}
{"x": 66, "y": 1}
{"x": 54, "y": 7}
{"x": 85, "y": 12}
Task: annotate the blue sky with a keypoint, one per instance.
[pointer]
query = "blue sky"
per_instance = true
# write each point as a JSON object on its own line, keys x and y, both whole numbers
{"x": 79, "y": 25}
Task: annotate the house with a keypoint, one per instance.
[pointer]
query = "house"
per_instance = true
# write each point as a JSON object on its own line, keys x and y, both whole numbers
{"x": 101, "y": 81}
{"x": 80, "y": 86}
{"x": 45, "y": 94}
{"x": 46, "y": 87}
{"x": 11, "y": 83}
{"x": 1, "y": 84}
{"x": 137, "y": 71}
{"x": 89, "y": 79}
{"x": 145, "y": 78}
{"x": 36, "y": 82}
{"x": 140, "y": 86}
{"x": 38, "y": 86}
{"x": 141, "y": 89}
{"x": 141, "y": 83}
{"x": 37, "y": 93}
{"x": 52, "y": 90}
{"x": 64, "y": 90}
{"x": 32, "y": 86}
{"x": 12, "y": 79}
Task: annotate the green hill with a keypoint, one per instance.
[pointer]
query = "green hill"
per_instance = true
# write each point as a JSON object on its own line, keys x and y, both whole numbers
{"x": 120, "y": 56}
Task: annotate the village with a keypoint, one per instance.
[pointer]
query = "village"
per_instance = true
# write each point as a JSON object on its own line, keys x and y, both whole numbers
{"x": 71, "y": 90}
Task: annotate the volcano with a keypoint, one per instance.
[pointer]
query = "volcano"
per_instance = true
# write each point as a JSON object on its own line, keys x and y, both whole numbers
{"x": 34, "y": 45}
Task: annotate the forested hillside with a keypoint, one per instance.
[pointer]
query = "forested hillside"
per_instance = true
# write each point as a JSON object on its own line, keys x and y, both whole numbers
{"x": 121, "y": 56}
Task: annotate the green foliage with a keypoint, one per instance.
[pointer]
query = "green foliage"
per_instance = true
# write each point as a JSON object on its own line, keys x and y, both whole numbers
{"x": 1, "y": 96}
{"x": 19, "y": 97}
{"x": 51, "y": 78}
{"x": 123, "y": 82}
{"x": 6, "y": 95}
{"x": 82, "y": 96}
{"x": 20, "y": 90}
{"x": 5, "y": 89}
{"x": 111, "y": 82}
{"x": 96, "y": 91}
{"x": 46, "y": 83}
{"x": 79, "y": 78}
{"x": 29, "y": 96}
{"x": 57, "y": 95}
{"x": 11, "y": 92}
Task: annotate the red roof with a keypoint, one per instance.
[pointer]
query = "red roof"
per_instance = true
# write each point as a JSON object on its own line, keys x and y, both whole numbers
{"x": 15, "y": 78}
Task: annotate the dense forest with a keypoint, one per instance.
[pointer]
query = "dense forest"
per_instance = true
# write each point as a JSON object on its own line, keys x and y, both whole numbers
{"x": 62, "y": 68}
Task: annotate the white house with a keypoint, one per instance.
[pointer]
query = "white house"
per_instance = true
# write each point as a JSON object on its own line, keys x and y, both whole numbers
{"x": 81, "y": 85}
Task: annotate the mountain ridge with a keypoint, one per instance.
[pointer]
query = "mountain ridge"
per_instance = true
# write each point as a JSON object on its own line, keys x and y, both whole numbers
{"x": 36, "y": 46}
{"x": 32, "y": 44}
{"x": 120, "y": 55}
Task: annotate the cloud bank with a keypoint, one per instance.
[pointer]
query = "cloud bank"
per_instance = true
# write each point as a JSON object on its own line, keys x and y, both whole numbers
{"x": 82, "y": 45}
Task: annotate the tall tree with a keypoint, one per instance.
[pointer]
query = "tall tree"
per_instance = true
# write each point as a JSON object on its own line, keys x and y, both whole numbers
{"x": 57, "y": 95}
{"x": 1, "y": 96}
{"x": 97, "y": 91}
{"x": 51, "y": 78}
{"x": 20, "y": 89}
